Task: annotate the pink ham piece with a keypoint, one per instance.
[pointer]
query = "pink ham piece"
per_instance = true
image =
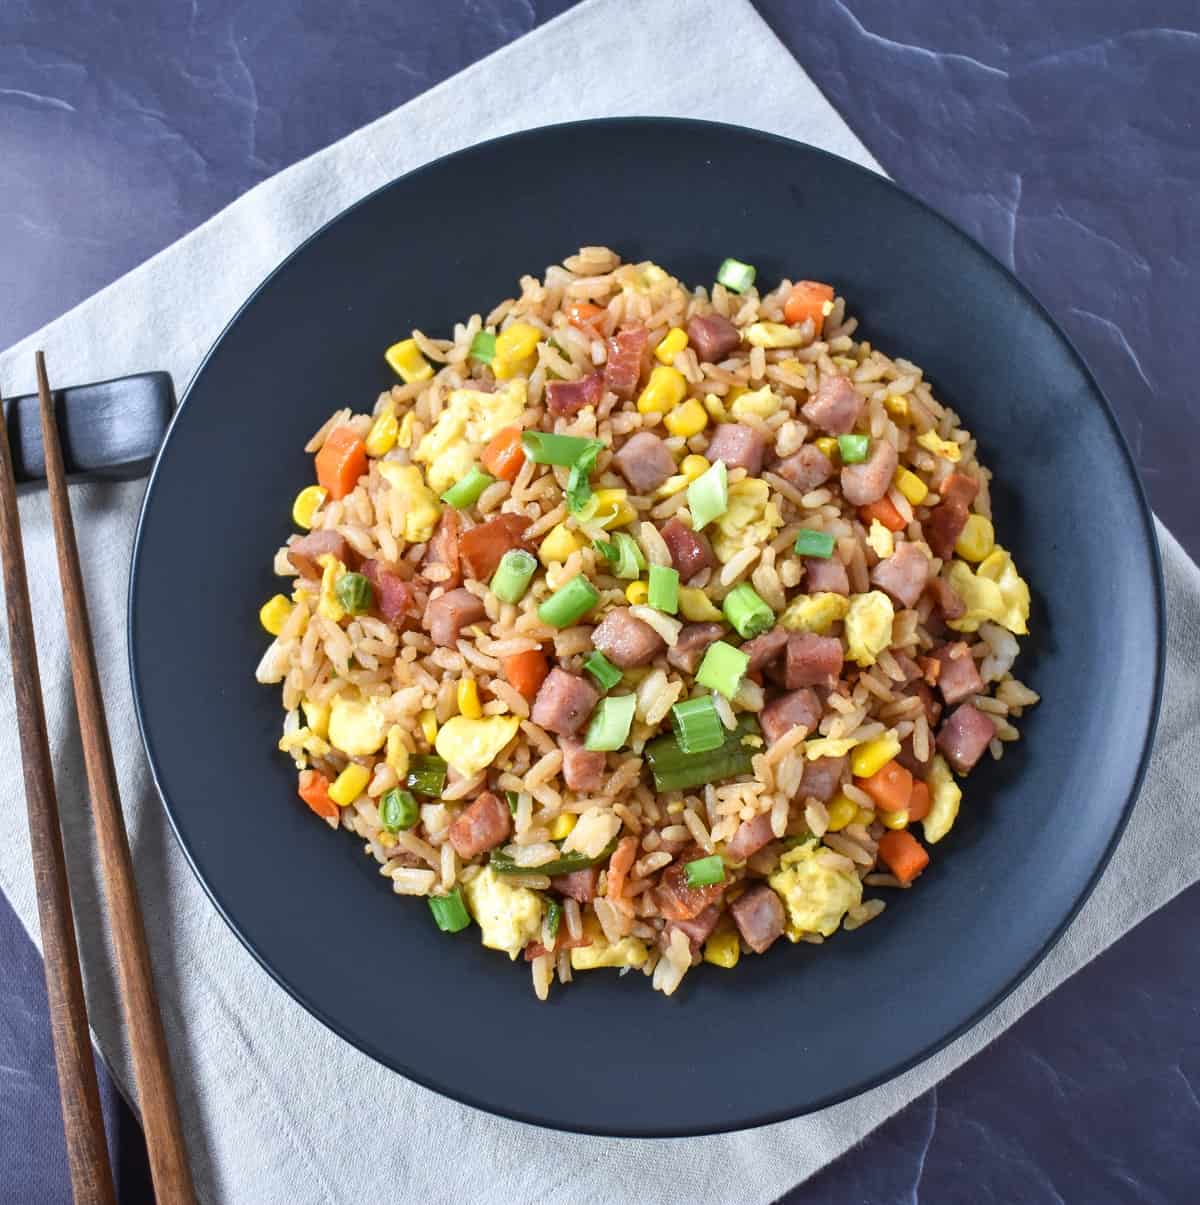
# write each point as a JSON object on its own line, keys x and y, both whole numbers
{"x": 806, "y": 469}
{"x": 750, "y": 837}
{"x": 908, "y": 759}
{"x": 865, "y": 483}
{"x": 945, "y": 597}
{"x": 932, "y": 708}
{"x": 395, "y": 599}
{"x": 739, "y": 446}
{"x": 812, "y": 660}
{"x": 822, "y": 778}
{"x": 958, "y": 677}
{"x": 482, "y": 826}
{"x": 825, "y": 575}
{"x": 303, "y": 553}
{"x": 964, "y": 736}
{"x": 578, "y": 885}
{"x": 713, "y": 336}
{"x": 904, "y": 574}
{"x": 698, "y": 929}
{"x": 798, "y": 709}
{"x": 691, "y": 553}
{"x": 626, "y": 350}
{"x": 449, "y": 613}
{"x": 569, "y": 397}
{"x": 946, "y": 521}
{"x": 443, "y": 548}
{"x": 563, "y": 703}
{"x": 582, "y": 769}
{"x": 689, "y": 649}
{"x": 764, "y": 649}
{"x": 626, "y": 641}
{"x": 835, "y": 406}
{"x": 645, "y": 462}
{"x": 759, "y": 917}
{"x": 483, "y": 547}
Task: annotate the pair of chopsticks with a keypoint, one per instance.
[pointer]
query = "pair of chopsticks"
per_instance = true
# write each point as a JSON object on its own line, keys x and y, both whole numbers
{"x": 87, "y": 1152}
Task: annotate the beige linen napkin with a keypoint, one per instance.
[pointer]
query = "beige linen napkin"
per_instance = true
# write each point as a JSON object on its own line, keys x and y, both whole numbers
{"x": 277, "y": 1108}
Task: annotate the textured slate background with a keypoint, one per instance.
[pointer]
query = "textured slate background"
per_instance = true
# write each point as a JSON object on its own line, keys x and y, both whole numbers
{"x": 1062, "y": 135}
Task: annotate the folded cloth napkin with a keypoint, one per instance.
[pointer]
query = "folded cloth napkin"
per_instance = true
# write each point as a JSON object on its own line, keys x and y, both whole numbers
{"x": 276, "y": 1107}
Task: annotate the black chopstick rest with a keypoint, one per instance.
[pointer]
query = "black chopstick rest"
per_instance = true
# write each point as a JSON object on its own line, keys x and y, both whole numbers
{"x": 111, "y": 431}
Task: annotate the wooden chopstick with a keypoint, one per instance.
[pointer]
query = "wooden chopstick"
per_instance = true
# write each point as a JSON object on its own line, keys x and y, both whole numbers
{"x": 87, "y": 1152}
{"x": 143, "y": 1023}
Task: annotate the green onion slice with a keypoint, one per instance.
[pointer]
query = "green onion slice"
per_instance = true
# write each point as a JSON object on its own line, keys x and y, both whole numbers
{"x": 543, "y": 447}
{"x": 513, "y": 575}
{"x": 426, "y": 775}
{"x": 674, "y": 770}
{"x": 579, "y": 487}
{"x": 735, "y": 275}
{"x": 610, "y": 723}
{"x": 623, "y": 555}
{"x": 853, "y": 448}
{"x": 664, "y": 589}
{"x": 602, "y": 669}
{"x": 814, "y": 543}
{"x": 708, "y": 495}
{"x": 704, "y": 872}
{"x": 554, "y": 911}
{"x": 466, "y": 492}
{"x": 565, "y": 863}
{"x": 747, "y": 611}
{"x": 397, "y": 810}
{"x": 722, "y": 669}
{"x": 449, "y": 912}
{"x": 697, "y": 725}
{"x": 354, "y": 592}
{"x": 513, "y": 801}
{"x": 483, "y": 347}
{"x": 569, "y": 603}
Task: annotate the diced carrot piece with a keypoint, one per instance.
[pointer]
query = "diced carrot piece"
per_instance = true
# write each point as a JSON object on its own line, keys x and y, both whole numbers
{"x": 314, "y": 790}
{"x": 919, "y": 802}
{"x": 619, "y": 866}
{"x": 902, "y": 854}
{"x": 485, "y": 544}
{"x": 885, "y": 511}
{"x": 891, "y": 787}
{"x": 341, "y": 461}
{"x": 504, "y": 456}
{"x": 526, "y": 671}
{"x": 584, "y": 315}
{"x": 807, "y": 300}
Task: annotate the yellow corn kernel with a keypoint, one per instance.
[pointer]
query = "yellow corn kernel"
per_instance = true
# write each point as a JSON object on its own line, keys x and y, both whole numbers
{"x": 865, "y": 816}
{"x": 560, "y": 830}
{"x": 977, "y": 540}
{"x": 349, "y": 784}
{"x": 405, "y": 434}
{"x": 558, "y": 545}
{"x": 664, "y": 390}
{"x": 273, "y": 614}
{"x": 429, "y": 726}
{"x": 846, "y": 363}
{"x": 828, "y": 445}
{"x": 873, "y": 755}
{"x": 694, "y": 466}
{"x": 407, "y": 362}
{"x": 396, "y": 751}
{"x": 687, "y": 420}
{"x": 723, "y": 950}
{"x": 671, "y": 486}
{"x": 896, "y": 405}
{"x": 386, "y": 839}
{"x": 735, "y": 392}
{"x": 637, "y": 593}
{"x": 516, "y": 346}
{"x": 468, "y": 699}
{"x": 946, "y": 448}
{"x": 317, "y": 717}
{"x": 308, "y": 502}
{"x": 793, "y": 366}
{"x": 841, "y": 812}
{"x": 894, "y": 820}
{"x": 673, "y": 343}
{"x": 612, "y": 509}
{"x": 381, "y": 438}
{"x": 911, "y": 486}
{"x": 696, "y": 606}
{"x": 716, "y": 407}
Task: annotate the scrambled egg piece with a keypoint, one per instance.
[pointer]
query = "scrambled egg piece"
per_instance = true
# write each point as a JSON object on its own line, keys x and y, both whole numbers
{"x": 881, "y": 540}
{"x": 829, "y": 746}
{"x": 762, "y": 402}
{"x": 628, "y": 952}
{"x": 471, "y": 418}
{"x": 317, "y": 715}
{"x": 944, "y": 797}
{"x": 331, "y": 570}
{"x": 947, "y": 448}
{"x": 816, "y": 898}
{"x": 421, "y": 508}
{"x": 751, "y": 518}
{"x": 995, "y": 591}
{"x": 773, "y": 334}
{"x": 868, "y": 626}
{"x": 302, "y": 743}
{"x": 641, "y": 278}
{"x": 814, "y": 612}
{"x": 472, "y": 745}
{"x": 357, "y": 726}
{"x": 508, "y": 917}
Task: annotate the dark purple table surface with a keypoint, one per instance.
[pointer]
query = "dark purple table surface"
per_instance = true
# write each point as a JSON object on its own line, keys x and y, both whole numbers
{"x": 1063, "y": 135}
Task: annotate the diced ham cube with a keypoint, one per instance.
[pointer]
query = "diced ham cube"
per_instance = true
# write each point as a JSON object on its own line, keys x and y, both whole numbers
{"x": 759, "y": 916}
{"x": 626, "y": 350}
{"x": 691, "y": 553}
{"x": 959, "y": 488}
{"x": 395, "y": 599}
{"x": 835, "y": 406}
{"x": 626, "y": 641}
{"x": 644, "y": 461}
{"x": 929, "y": 702}
{"x": 569, "y": 397}
{"x": 582, "y": 769}
{"x": 904, "y": 574}
{"x": 698, "y": 929}
{"x": 689, "y": 649}
{"x": 482, "y": 548}
{"x": 812, "y": 660}
{"x": 945, "y": 597}
{"x": 449, "y": 613}
{"x": 946, "y": 521}
{"x": 908, "y": 759}
{"x": 958, "y": 676}
{"x": 563, "y": 703}
{"x": 304, "y": 552}
{"x": 480, "y": 827}
{"x": 750, "y": 837}
{"x": 443, "y": 548}
{"x": 764, "y": 649}
{"x": 578, "y": 885}
{"x": 676, "y": 900}
{"x": 806, "y": 469}
{"x": 739, "y": 446}
{"x": 822, "y": 778}
{"x": 798, "y": 709}
{"x": 713, "y": 336}
{"x": 964, "y": 736}
{"x": 825, "y": 575}
{"x": 865, "y": 483}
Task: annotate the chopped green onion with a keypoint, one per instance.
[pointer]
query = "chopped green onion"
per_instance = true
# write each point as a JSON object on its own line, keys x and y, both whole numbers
{"x": 544, "y": 448}
{"x": 735, "y": 275}
{"x": 610, "y": 723}
{"x": 354, "y": 592}
{"x": 664, "y": 589}
{"x": 483, "y": 347}
{"x": 565, "y": 863}
{"x": 426, "y": 775}
{"x": 554, "y": 911}
{"x": 708, "y": 495}
{"x": 697, "y": 726}
{"x": 449, "y": 912}
{"x": 853, "y": 448}
{"x": 397, "y": 810}
{"x": 513, "y": 575}
{"x": 569, "y": 603}
{"x": 723, "y": 668}
{"x": 747, "y": 612}
{"x": 513, "y": 800}
{"x": 814, "y": 543}
{"x": 579, "y": 487}
{"x": 602, "y": 669}
{"x": 623, "y": 554}
{"x": 704, "y": 872}
{"x": 466, "y": 492}
{"x": 674, "y": 770}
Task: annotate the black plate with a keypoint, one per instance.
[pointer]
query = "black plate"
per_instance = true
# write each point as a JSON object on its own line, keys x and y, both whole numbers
{"x": 802, "y": 1027}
